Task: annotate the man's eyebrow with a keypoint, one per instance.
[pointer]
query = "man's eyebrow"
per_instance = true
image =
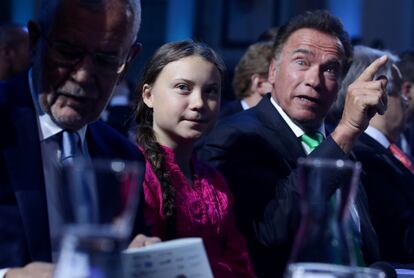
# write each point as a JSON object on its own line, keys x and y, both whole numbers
{"x": 302, "y": 50}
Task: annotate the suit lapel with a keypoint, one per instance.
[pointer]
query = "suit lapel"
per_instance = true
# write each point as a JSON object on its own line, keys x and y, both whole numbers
{"x": 401, "y": 171}
{"x": 279, "y": 134}
{"x": 97, "y": 146}
{"x": 26, "y": 176}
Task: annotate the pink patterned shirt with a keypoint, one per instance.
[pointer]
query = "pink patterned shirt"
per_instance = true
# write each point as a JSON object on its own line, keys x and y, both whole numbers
{"x": 204, "y": 210}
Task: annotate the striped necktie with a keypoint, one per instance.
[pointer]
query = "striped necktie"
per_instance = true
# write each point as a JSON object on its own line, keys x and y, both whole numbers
{"x": 402, "y": 157}
{"x": 70, "y": 147}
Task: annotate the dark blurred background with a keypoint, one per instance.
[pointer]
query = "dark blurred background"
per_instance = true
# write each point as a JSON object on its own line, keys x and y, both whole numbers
{"x": 229, "y": 26}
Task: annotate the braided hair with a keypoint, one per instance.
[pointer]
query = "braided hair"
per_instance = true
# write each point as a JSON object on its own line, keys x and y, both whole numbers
{"x": 146, "y": 138}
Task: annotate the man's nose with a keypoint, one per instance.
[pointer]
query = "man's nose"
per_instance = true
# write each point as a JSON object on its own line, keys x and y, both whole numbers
{"x": 313, "y": 76}
{"x": 84, "y": 71}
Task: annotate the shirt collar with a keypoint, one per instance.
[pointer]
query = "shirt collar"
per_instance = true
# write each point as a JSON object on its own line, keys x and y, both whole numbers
{"x": 47, "y": 127}
{"x": 294, "y": 127}
{"x": 244, "y": 104}
{"x": 378, "y": 136}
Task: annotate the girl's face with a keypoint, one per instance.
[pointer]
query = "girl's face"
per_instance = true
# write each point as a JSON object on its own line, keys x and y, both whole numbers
{"x": 185, "y": 99}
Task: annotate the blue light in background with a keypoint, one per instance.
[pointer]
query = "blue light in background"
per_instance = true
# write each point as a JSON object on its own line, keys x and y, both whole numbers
{"x": 350, "y": 12}
{"x": 21, "y": 11}
{"x": 180, "y": 20}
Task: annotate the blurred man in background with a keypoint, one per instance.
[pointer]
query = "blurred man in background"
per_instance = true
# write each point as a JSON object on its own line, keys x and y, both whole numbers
{"x": 14, "y": 50}
{"x": 406, "y": 66}
{"x": 250, "y": 82}
{"x": 388, "y": 174}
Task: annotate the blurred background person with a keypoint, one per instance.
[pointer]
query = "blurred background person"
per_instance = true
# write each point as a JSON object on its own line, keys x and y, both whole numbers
{"x": 406, "y": 66}
{"x": 14, "y": 50}
{"x": 250, "y": 82}
{"x": 388, "y": 175}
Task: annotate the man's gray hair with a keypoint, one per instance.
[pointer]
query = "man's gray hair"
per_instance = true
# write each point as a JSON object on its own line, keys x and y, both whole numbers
{"x": 363, "y": 57}
{"x": 48, "y": 9}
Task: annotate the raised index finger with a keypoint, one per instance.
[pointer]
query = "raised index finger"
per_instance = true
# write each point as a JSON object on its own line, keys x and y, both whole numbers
{"x": 369, "y": 73}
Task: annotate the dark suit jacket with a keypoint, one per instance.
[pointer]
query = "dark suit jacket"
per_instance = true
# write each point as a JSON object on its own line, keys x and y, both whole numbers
{"x": 257, "y": 152}
{"x": 228, "y": 109}
{"x": 231, "y": 108}
{"x": 120, "y": 118}
{"x": 390, "y": 189}
{"x": 24, "y": 230}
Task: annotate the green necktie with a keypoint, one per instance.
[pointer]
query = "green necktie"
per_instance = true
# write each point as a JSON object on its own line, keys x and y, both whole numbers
{"x": 312, "y": 140}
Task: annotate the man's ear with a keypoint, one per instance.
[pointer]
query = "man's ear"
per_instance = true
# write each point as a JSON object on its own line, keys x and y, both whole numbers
{"x": 272, "y": 71}
{"x": 254, "y": 82}
{"x": 147, "y": 95}
{"x": 260, "y": 84}
{"x": 34, "y": 33}
{"x": 406, "y": 89}
{"x": 133, "y": 52}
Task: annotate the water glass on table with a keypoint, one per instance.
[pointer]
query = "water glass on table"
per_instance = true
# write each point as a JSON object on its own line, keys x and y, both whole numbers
{"x": 98, "y": 203}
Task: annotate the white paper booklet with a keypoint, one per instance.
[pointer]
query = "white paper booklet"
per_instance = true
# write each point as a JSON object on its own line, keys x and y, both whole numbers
{"x": 179, "y": 258}
{"x": 404, "y": 273}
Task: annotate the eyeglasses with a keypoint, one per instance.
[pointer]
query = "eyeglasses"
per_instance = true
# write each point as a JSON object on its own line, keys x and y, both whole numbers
{"x": 404, "y": 100}
{"x": 69, "y": 56}
{"x": 398, "y": 95}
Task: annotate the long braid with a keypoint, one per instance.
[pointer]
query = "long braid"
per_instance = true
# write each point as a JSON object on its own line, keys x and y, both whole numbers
{"x": 156, "y": 157}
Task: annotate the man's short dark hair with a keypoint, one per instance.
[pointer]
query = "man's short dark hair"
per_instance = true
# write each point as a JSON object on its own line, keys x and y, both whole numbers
{"x": 319, "y": 20}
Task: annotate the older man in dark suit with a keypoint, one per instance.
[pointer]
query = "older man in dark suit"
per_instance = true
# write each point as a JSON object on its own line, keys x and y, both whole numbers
{"x": 81, "y": 50}
{"x": 257, "y": 149}
{"x": 388, "y": 173}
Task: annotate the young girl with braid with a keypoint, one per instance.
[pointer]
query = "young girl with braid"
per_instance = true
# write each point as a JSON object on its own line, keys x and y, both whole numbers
{"x": 178, "y": 100}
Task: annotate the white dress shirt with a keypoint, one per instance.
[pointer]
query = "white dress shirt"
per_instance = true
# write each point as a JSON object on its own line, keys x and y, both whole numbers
{"x": 378, "y": 136}
{"x": 294, "y": 127}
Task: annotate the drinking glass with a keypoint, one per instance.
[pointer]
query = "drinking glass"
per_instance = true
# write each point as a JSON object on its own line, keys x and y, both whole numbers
{"x": 97, "y": 206}
{"x": 327, "y": 234}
